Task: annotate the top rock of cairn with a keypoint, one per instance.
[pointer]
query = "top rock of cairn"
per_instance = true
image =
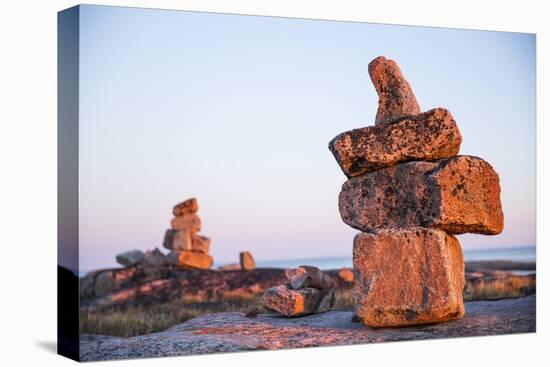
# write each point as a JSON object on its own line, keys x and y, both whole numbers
{"x": 396, "y": 98}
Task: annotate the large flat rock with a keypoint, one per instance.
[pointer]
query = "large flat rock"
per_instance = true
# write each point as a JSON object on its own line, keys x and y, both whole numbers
{"x": 233, "y": 332}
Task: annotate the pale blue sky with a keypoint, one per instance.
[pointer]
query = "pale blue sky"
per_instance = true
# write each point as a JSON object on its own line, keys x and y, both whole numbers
{"x": 238, "y": 111}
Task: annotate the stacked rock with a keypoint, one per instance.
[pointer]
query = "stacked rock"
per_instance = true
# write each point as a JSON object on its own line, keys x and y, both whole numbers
{"x": 188, "y": 248}
{"x": 308, "y": 291}
{"x": 409, "y": 193}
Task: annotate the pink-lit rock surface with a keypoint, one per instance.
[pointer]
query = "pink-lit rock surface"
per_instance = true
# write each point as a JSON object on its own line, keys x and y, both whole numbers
{"x": 234, "y": 332}
{"x": 395, "y": 96}
{"x": 407, "y": 277}
{"x": 428, "y": 136}
{"x": 459, "y": 195}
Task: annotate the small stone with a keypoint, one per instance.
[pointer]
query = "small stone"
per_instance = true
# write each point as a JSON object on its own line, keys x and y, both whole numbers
{"x": 231, "y": 267}
{"x": 186, "y": 207}
{"x": 195, "y": 260}
{"x": 200, "y": 243}
{"x": 130, "y": 258}
{"x": 105, "y": 283}
{"x": 178, "y": 240}
{"x": 459, "y": 195}
{"x": 190, "y": 222}
{"x": 328, "y": 298}
{"x": 173, "y": 257}
{"x": 308, "y": 277}
{"x": 247, "y": 261}
{"x": 346, "y": 275}
{"x": 87, "y": 285}
{"x": 253, "y": 313}
{"x": 395, "y": 96}
{"x": 168, "y": 241}
{"x": 407, "y": 277}
{"x": 290, "y": 302}
{"x": 154, "y": 259}
{"x": 428, "y": 136}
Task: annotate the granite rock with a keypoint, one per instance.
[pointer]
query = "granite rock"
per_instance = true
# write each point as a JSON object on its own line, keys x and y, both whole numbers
{"x": 195, "y": 260}
{"x": 428, "y": 136}
{"x": 395, "y": 96}
{"x": 190, "y": 222}
{"x": 346, "y": 275}
{"x": 200, "y": 243}
{"x": 154, "y": 259}
{"x": 105, "y": 283}
{"x": 297, "y": 302}
{"x": 173, "y": 257}
{"x": 231, "y": 267}
{"x": 459, "y": 195}
{"x": 247, "y": 261}
{"x": 407, "y": 277}
{"x": 186, "y": 207}
{"x": 233, "y": 331}
{"x": 178, "y": 240}
{"x": 130, "y": 258}
{"x": 308, "y": 277}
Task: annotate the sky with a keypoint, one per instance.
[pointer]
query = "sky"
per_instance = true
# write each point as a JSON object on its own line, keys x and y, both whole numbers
{"x": 238, "y": 110}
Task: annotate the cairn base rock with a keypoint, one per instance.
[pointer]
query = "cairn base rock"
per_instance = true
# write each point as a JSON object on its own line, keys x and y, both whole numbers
{"x": 407, "y": 277}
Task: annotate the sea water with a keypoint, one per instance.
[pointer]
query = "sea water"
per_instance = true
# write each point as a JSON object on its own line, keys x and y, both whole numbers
{"x": 520, "y": 254}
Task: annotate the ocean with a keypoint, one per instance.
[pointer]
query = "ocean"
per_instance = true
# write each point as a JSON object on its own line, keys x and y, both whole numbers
{"x": 522, "y": 254}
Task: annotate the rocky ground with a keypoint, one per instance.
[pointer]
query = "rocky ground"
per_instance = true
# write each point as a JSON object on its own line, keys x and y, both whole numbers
{"x": 234, "y": 332}
{"x": 137, "y": 286}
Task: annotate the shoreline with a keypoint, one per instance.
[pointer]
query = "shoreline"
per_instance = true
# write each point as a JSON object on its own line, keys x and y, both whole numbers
{"x": 469, "y": 266}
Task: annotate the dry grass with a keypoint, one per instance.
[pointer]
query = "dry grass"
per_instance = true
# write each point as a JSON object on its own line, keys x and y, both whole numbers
{"x": 145, "y": 319}
{"x": 500, "y": 288}
{"x": 131, "y": 322}
{"x": 344, "y": 299}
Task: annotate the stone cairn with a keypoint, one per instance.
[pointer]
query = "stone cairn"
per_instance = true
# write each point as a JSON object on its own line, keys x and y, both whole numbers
{"x": 409, "y": 192}
{"x": 187, "y": 248}
{"x": 308, "y": 291}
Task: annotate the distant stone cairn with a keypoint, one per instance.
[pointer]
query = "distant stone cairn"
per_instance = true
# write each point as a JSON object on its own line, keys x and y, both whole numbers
{"x": 187, "y": 248}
